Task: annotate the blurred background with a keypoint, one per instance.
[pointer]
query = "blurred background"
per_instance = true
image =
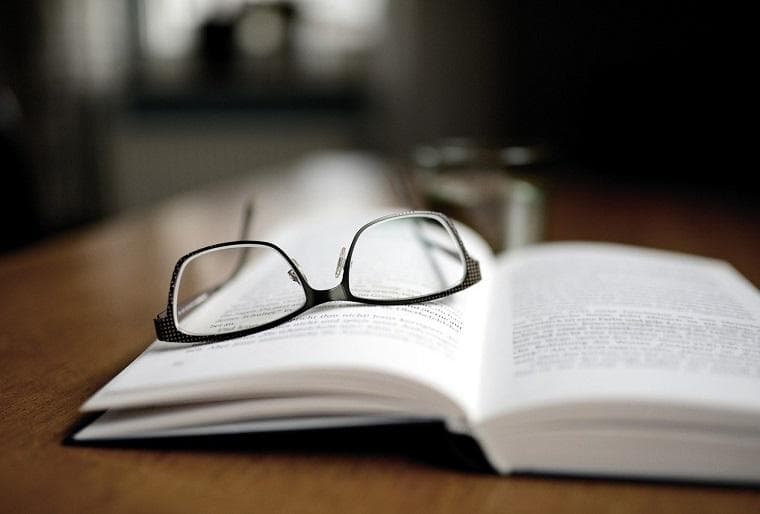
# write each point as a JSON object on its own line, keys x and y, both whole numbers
{"x": 109, "y": 105}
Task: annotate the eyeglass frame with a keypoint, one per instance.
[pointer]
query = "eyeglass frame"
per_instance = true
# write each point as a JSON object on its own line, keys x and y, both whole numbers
{"x": 166, "y": 325}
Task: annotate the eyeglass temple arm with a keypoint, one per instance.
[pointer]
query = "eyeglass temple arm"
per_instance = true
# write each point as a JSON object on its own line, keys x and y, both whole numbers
{"x": 428, "y": 244}
{"x": 473, "y": 266}
{"x": 245, "y": 227}
{"x": 202, "y": 297}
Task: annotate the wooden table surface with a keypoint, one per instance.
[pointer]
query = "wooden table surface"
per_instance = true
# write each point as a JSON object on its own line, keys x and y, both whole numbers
{"x": 78, "y": 307}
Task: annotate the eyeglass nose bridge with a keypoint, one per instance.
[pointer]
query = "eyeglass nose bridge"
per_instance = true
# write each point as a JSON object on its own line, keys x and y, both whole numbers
{"x": 333, "y": 294}
{"x": 319, "y": 296}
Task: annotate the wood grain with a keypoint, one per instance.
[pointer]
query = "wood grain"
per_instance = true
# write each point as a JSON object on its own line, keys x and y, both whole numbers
{"x": 77, "y": 308}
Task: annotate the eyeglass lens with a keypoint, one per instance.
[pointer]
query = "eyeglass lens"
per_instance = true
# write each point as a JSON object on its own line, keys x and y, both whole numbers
{"x": 250, "y": 285}
{"x": 405, "y": 258}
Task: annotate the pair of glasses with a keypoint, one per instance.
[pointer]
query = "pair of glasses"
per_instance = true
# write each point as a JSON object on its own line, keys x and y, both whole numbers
{"x": 238, "y": 288}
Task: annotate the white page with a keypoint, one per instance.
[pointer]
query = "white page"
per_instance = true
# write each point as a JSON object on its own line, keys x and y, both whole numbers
{"x": 599, "y": 323}
{"x": 433, "y": 348}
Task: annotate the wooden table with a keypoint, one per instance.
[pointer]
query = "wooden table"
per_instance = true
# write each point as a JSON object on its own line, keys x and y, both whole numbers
{"x": 77, "y": 308}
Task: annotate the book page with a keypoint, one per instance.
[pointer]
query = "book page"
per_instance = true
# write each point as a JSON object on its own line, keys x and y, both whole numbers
{"x": 424, "y": 354}
{"x": 604, "y": 323}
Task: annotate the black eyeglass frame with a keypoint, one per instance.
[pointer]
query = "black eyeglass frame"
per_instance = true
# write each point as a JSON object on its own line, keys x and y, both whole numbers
{"x": 166, "y": 324}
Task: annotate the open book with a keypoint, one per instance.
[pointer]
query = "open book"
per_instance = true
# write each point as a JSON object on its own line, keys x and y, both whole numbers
{"x": 582, "y": 358}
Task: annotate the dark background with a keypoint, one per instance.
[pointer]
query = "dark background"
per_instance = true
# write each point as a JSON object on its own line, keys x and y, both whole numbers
{"x": 94, "y": 121}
